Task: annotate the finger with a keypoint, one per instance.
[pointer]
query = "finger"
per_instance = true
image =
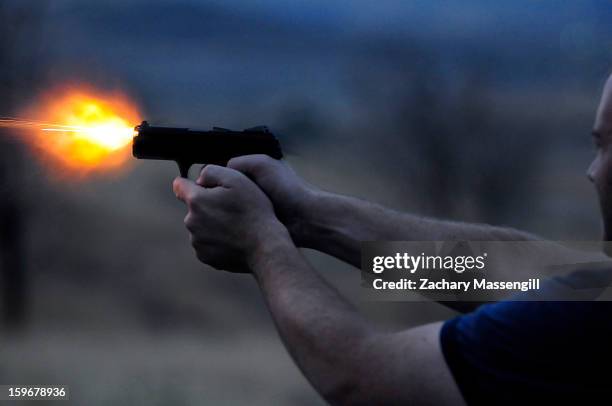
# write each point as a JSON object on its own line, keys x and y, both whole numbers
{"x": 184, "y": 189}
{"x": 250, "y": 165}
{"x": 215, "y": 175}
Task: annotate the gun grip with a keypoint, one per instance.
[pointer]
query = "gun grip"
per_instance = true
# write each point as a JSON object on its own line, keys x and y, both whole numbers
{"x": 184, "y": 168}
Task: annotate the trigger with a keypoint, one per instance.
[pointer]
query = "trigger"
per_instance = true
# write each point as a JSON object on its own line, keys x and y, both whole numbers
{"x": 184, "y": 169}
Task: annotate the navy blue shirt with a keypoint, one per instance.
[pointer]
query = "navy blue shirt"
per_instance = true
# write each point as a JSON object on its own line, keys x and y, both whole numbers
{"x": 527, "y": 352}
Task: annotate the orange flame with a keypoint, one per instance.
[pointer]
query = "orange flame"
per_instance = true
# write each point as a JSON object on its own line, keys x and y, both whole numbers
{"x": 88, "y": 130}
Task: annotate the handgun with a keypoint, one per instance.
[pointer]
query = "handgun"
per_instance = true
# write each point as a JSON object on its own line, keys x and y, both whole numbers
{"x": 187, "y": 147}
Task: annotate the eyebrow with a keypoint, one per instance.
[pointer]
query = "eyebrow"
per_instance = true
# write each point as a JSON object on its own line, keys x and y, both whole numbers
{"x": 596, "y": 134}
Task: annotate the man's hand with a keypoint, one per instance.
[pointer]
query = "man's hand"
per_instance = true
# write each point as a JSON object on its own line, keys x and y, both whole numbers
{"x": 229, "y": 217}
{"x": 292, "y": 197}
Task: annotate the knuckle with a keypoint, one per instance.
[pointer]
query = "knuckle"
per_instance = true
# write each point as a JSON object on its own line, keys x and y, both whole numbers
{"x": 206, "y": 171}
{"x": 196, "y": 198}
{"x": 189, "y": 221}
{"x": 189, "y": 203}
{"x": 194, "y": 201}
{"x": 189, "y": 196}
{"x": 211, "y": 169}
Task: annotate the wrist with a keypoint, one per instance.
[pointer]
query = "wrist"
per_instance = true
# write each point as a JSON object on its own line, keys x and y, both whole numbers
{"x": 272, "y": 238}
{"x": 312, "y": 218}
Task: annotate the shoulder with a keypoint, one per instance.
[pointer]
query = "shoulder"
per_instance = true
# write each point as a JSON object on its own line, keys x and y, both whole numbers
{"x": 518, "y": 349}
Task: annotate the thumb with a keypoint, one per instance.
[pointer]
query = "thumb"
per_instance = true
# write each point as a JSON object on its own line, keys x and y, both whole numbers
{"x": 215, "y": 175}
{"x": 251, "y": 165}
{"x": 184, "y": 189}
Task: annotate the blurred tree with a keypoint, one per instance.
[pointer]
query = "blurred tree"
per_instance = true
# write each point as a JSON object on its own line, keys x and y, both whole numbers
{"x": 463, "y": 157}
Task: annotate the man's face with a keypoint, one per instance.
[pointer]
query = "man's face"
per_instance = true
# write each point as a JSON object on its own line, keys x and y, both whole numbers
{"x": 600, "y": 170}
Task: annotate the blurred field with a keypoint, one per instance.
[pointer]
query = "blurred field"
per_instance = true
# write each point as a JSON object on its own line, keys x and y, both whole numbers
{"x": 122, "y": 311}
{"x": 125, "y": 368}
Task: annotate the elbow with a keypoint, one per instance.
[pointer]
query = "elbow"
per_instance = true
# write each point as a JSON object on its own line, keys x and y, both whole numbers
{"x": 345, "y": 391}
{"x": 353, "y": 384}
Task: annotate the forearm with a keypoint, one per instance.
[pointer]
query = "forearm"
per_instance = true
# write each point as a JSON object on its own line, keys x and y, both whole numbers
{"x": 322, "y": 332}
{"x": 337, "y": 225}
{"x": 346, "y": 359}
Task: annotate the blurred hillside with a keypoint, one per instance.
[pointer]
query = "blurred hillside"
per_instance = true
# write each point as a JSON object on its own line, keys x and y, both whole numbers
{"x": 475, "y": 111}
